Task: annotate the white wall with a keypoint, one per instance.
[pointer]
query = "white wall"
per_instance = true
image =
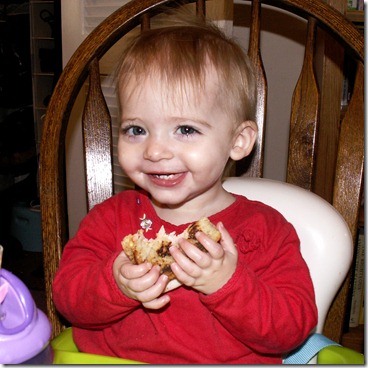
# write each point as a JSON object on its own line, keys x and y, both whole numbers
{"x": 72, "y": 36}
{"x": 282, "y": 49}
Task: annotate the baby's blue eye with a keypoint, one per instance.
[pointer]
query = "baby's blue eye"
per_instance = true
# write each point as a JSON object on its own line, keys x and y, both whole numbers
{"x": 187, "y": 130}
{"x": 133, "y": 130}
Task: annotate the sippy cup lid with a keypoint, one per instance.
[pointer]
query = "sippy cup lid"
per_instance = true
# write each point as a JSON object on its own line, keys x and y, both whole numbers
{"x": 24, "y": 329}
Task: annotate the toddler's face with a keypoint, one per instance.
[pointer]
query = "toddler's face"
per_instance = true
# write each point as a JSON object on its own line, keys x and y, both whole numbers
{"x": 175, "y": 147}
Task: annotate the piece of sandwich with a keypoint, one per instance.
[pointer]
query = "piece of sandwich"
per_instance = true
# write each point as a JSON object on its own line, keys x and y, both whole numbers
{"x": 156, "y": 251}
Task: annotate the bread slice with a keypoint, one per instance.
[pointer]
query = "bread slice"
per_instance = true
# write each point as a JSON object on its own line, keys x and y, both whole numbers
{"x": 156, "y": 251}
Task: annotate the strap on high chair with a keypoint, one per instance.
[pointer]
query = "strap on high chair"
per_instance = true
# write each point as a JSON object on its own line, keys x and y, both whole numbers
{"x": 311, "y": 347}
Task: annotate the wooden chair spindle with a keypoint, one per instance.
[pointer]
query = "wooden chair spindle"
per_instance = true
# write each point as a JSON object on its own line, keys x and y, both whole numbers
{"x": 254, "y": 53}
{"x": 97, "y": 141}
{"x": 304, "y": 118}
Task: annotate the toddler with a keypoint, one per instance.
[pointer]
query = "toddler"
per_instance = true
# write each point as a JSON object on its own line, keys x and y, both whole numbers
{"x": 187, "y": 98}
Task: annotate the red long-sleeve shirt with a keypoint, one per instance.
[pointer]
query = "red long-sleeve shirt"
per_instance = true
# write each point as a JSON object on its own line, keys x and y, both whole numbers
{"x": 266, "y": 309}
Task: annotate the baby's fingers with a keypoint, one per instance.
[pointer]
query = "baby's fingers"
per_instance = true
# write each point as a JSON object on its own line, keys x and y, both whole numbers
{"x": 226, "y": 240}
{"x": 131, "y": 271}
{"x": 158, "y": 302}
{"x": 148, "y": 280}
{"x": 214, "y": 249}
{"x": 154, "y": 291}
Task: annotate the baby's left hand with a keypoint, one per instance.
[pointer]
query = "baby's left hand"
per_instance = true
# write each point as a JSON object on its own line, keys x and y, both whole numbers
{"x": 205, "y": 272}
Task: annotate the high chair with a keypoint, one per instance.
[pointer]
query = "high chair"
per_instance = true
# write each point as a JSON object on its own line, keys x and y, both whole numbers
{"x": 326, "y": 145}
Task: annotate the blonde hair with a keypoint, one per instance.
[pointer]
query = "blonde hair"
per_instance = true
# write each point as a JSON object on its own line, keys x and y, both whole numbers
{"x": 179, "y": 55}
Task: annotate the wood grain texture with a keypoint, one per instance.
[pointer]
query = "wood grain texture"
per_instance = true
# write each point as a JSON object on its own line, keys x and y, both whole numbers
{"x": 336, "y": 23}
{"x": 97, "y": 139}
{"x": 254, "y": 53}
{"x": 347, "y": 184}
{"x": 348, "y": 187}
{"x": 304, "y": 119}
{"x": 331, "y": 63}
{"x": 201, "y": 8}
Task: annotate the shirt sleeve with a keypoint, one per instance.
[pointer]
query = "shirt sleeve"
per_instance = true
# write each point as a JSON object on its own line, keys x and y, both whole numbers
{"x": 269, "y": 303}
{"x": 84, "y": 289}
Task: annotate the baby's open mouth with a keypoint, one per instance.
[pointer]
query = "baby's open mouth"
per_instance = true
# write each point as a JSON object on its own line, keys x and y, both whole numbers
{"x": 166, "y": 176}
{"x": 167, "y": 179}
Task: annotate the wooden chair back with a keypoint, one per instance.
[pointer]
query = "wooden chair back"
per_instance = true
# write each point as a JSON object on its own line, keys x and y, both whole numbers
{"x": 315, "y": 123}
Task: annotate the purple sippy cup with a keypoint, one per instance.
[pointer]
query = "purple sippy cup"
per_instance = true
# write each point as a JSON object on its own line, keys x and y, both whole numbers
{"x": 25, "y": 330}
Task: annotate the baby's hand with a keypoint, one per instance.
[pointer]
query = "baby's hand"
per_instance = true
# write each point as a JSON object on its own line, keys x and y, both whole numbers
{"x": 205, "y": 272}
{"x": 141, "y": 282}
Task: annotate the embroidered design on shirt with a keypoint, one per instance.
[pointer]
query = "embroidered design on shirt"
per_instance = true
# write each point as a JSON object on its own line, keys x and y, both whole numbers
{"x": 145, "y": 223}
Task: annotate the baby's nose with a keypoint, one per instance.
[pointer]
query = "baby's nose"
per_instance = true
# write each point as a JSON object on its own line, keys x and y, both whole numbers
{"x": 158, "y": 149}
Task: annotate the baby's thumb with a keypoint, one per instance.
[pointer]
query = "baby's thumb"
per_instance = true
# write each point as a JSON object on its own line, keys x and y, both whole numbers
{"x": 226, "y": 240}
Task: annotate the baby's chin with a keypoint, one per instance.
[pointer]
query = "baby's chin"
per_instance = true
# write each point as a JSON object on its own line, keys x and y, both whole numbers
{"x": 166, "y": 197}
{"x": 166, "y": 202}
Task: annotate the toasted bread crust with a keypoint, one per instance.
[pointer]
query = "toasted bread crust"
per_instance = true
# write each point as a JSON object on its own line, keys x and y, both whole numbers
{"x": 156, "y": 251}
{"x": 205, "y": 226}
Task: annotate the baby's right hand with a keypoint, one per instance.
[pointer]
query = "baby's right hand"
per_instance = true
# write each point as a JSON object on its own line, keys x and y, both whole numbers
{"x": 141, "y": 282}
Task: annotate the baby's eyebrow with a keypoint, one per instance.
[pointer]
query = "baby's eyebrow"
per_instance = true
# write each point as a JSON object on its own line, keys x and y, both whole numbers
{"x": 188, "y": 120}
{"x": 130, "y": 121}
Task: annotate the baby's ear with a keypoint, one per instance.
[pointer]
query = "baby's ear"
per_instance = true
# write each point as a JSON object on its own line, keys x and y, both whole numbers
{"x": 244, "y": 140}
